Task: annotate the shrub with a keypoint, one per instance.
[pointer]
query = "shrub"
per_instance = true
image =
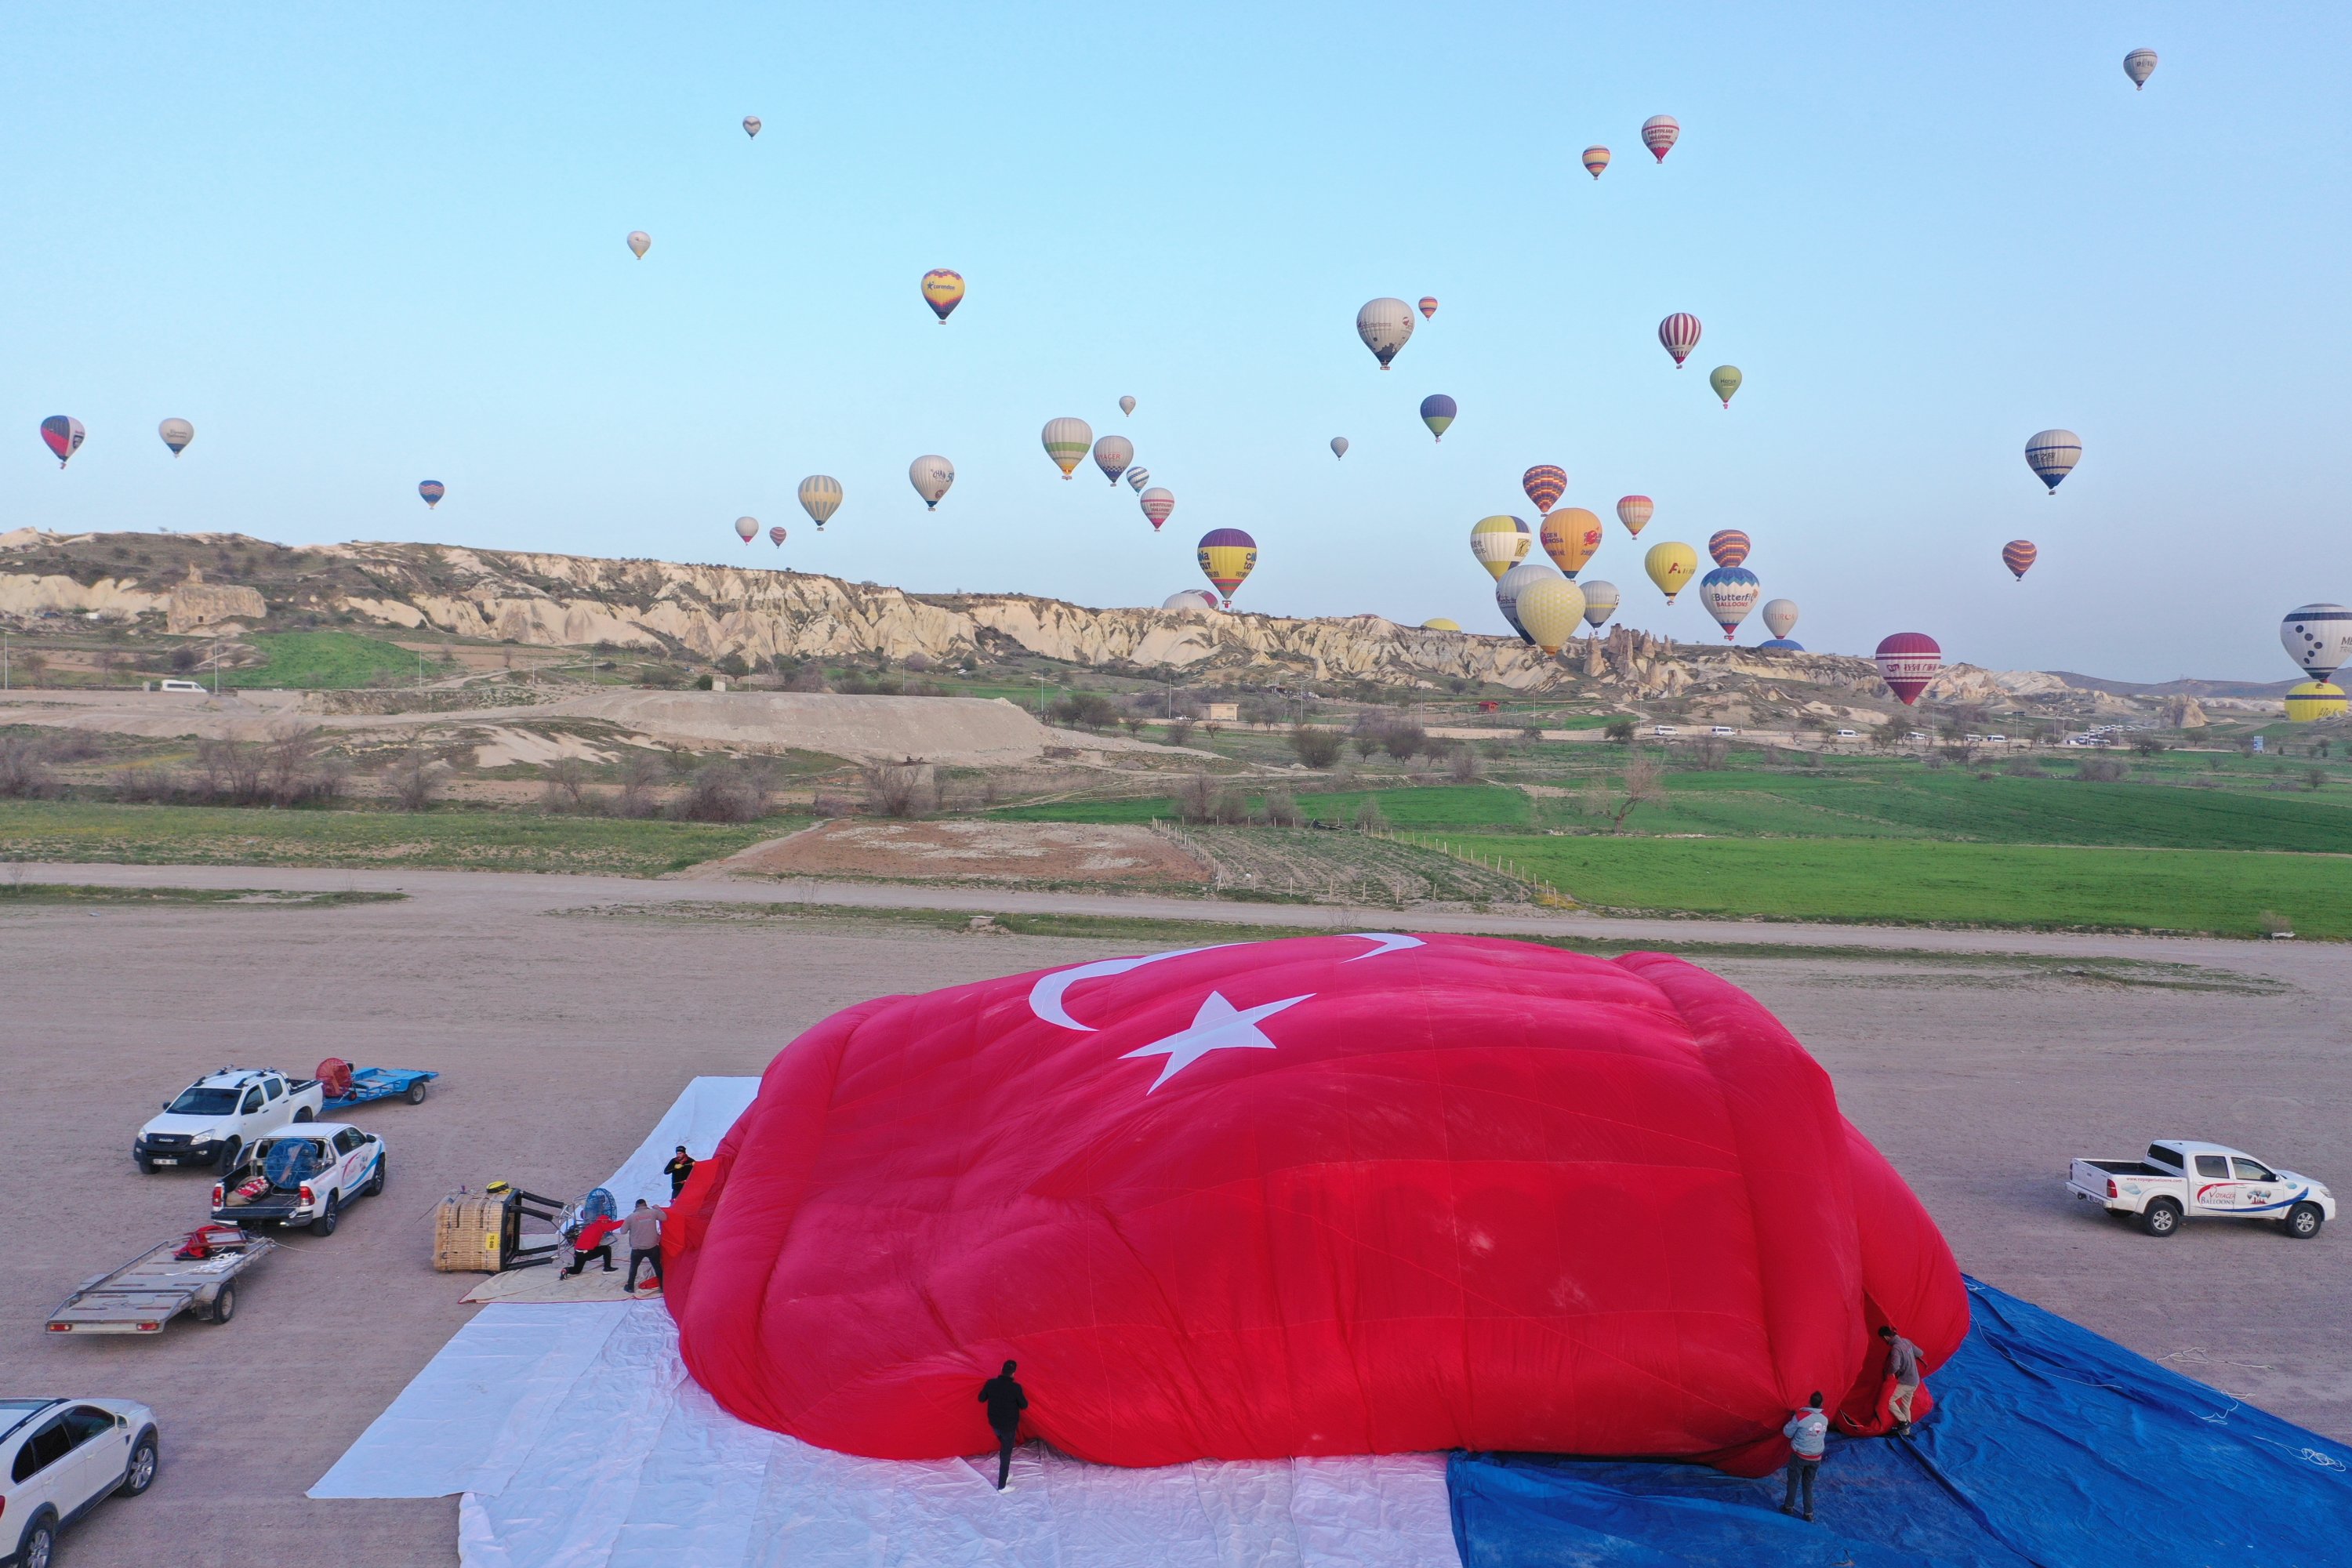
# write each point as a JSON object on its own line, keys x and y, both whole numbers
{"x": 640, "y": 775}
{"x": 416, "y": 779}
{"x": 808, "y": 677}
{"x": 24, "y": 769}
{"x": 734, "y": 664}
{"x": 898, "y": 789}
{"x": 1180, "y": 730}
{"x": 1620, "y": 731}
{"x": 1196, "y": 799}
{"x": 1317, "y": 748}
{"x": 1281, "y": 808}
{"x": 2025, "y": 768}
{"x": 567, "y": 787}
{"x": 1369, "y": 816}
{"x": 1402, "y": 741}
{"x": 147, "y": 785}
{"x": 1085, "y": 709}
{"x": 1462, "y": 765}
{"x": 723, "y": 790}
{"x": 2101, "y": 770}
{"x": 185, "y": 659}
{"x": 703, "y": 683}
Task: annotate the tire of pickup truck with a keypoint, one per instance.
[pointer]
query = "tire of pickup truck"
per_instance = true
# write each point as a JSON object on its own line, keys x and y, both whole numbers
{"x": 325, "y": 1224}
{"x": 2303, "y": 1221}
{"x": 375, "y": 1182}
{"x": 146, "y": 1166}
{"x": 223, "y": 1305}
{"x": 229, "y": 1151}
{"x": 2161, "y": 1217}
{"x": 417, "y": 1092}
{"x": 304, "y": 1113}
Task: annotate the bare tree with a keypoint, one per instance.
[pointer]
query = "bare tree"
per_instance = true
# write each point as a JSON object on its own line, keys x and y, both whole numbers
{"x": 35, "y": 664}
{"x": 723, "y": 790}
{"x": 23, "y": 768}
{"x": 1180, "y": 730}
{"x": 898, "y": 789}
{"x": 1463, "y": 765}
{"x": 567, "y": 787}
{"x": 416, "y": 778}
{"x": 1643, "y": 782}
{"x": 1281, "y": 808}
{"x": 640, "y": 775}
{"x": 111, "y": 664}
{"x": 1316, "y": 748}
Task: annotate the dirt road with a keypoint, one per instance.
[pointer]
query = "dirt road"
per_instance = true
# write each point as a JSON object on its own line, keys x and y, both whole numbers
{"x": 560, "y": 1036}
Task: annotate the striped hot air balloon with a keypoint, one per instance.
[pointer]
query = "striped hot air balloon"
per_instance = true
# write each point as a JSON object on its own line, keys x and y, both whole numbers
{"x": 2018, "y": 555}
{"x": 821, "y": 497}
{"x": 776, "y": 536}
{"x": 2052, "y": 454}
{"x": 1545, "y": 484}
{"x": 62, "y": 434}
{"x": 1158, "y": 503}
{"x": 1679, "y": 333}
{"x": 2318, "y": 637}
{"x": 1500, "y": 543}
{"x": 1227, "y": 556}
{"x": 1727, "y": 546}
{"x": 1595, "y": 160}
{"x": 1728, "y": 593}
{"x": 943, "y": 291}
{"x": 2308, "y": 701}
{"x": 1599, "y": 602}
{"x": 1194, "y": 599}
{"x": 1570, "y": 536}
{"x": 1659, "y": 134}
{"x": 1437, "y": 412}
{"x": 1428, "y": 306}
{"x": 750, "y": 125}
{"x": 1907, "y": 661}
{"x": 1066, "y": 441}
{"x": 1634, "y": 512}
{"x": 1137, "y": 478}
{"x": 432, "y": 490}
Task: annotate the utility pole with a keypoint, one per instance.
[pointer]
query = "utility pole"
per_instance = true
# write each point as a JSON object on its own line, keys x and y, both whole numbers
{"x": 216, "y": 666}
{"x": 4, "y": 661}
{"x": 1041, "y": 698}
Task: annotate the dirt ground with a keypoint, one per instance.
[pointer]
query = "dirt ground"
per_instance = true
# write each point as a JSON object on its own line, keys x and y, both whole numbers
{"x": 561, "y": 1039}
{"x": 1009, "y": 851}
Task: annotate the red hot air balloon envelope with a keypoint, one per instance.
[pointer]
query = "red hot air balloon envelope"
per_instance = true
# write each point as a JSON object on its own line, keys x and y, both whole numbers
{"x": 1907, "y": 661}
{"x": 1330, "y": 1194}
{"x": 1545, "y": 484}
{"x": 62, "y": 435}
{"x": 1679, "y": 333}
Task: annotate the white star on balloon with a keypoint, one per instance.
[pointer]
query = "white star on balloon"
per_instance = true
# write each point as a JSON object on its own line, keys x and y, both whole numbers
{"x": 1219, "y": 1025}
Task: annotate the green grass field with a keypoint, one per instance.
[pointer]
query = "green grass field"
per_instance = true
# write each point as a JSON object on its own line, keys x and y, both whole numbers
{"x": 327, "y": 659}
{"x": 468, "y": 840}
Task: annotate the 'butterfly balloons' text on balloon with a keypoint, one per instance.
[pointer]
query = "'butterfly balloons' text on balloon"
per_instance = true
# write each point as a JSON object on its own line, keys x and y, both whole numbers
{"x": 1907, "y": 661}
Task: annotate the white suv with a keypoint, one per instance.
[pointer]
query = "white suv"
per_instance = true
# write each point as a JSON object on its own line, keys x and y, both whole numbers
{"x": 61, "y": 1458}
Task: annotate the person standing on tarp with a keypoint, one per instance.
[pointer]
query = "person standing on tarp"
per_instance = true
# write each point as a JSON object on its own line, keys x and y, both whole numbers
{"x": 643, "y": 1226}
{"x": 1808, "y": 1432}
{"x": 680, "y": 1167}
{"x": 1903, "y": 1362}
{"x": 1005, "y": 1402}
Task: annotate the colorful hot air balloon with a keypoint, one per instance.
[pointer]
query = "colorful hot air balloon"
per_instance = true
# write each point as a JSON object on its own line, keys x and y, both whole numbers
{"x": 2309, "y": 702}
{"x": 1066, "y": 441}
{"x": 1157, "y": 504}
{"x": 2018, "y": 555}
{"x": 1727, "y": 546}
{"x": 176, "y": 434}
{"x": 1658, "y": 134}
{"x": 1227, "y": 556}
{"x": 1428, "y": 306}
{"x": 1339, "y": 446}
{"x": 640, "y": 242}
{"x": 1440, "y": 624}
{"x": 432, "y": 490}
{"x": 1550, "y": 612}
{"x": 943, "y": 291}
{"x": 930, "y": 475}
{"x": 746, "y": 528}
{"x": 1600, "y": 600}
{"x": 1725, "y": 379}
{"x": 1570, "y": 536}
{"x": 1516, "y": 582}
{"x": 821, "y": 496}
{"x": 750, "y": 125}
{"x": 62, "y": 434}
{"x": 1545, "y": 483}
{"x": 1384, "y": 324}
{"x": 2318, "y": 637}
{"x": 1634, "y": 512}
{"x": 1137, "y": 478}
{"x": 1780, "y": 616}
{"x": 1671, "y": 566}
{"x": 1500, "y": 543}
{"x": 1907, "y": 661}
{"x": 776, "y": 536}
{"x": 1595, "y": 160}
{"x": 1679, "y": 333}
{"x": 1189, "y": 599}
{"x": 1127, "y": 405}
{"x": 1437, "y": 412}
{"x": 1728, "y": 593}
{"x": 1112, "y": 455}
{"x": 2052, "y": 454}
{"x": 2139, "y": 65}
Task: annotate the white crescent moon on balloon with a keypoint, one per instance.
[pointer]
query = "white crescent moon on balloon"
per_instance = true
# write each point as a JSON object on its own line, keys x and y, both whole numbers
{"x": 1046, "y": 996}
{"x": 1390, "y": 941}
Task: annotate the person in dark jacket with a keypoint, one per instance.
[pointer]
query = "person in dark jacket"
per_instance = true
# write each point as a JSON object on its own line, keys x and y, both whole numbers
{"x": 1005, "y": 1403}
{"x": 680, "y": 1167}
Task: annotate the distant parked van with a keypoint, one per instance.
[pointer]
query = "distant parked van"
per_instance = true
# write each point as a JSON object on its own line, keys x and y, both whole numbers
{"x": 1662, "y": 729}
{"x": 1847, "y": 735}
{"x": 184, "y": 685}
{"x": 1723, "y": 729}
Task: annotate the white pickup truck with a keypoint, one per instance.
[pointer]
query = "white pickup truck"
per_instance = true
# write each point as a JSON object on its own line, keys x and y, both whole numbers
{"x": 215, "y": 1118}
{"x": 2178, "y": 1180}
{"x": 305, "y": 1176}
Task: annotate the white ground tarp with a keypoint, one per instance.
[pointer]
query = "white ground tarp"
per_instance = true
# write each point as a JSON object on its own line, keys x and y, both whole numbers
{"x": 578, "y": 1441}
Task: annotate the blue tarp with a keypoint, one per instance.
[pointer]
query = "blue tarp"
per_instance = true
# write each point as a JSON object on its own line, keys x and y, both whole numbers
{"x": 2049, "y": 1446}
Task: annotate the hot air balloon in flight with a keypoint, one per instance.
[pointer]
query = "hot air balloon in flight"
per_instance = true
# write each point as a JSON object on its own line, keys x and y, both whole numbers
{"x": 1112, "y": 455}
{"x": 2139, "y": 65}
{"x": 1066, "y": 441}
{"x": 1137, "y": 478}
{"x": 1189, "y": 599}
{"x": 1339, "y": 448}
{"x": 2018, "y": 555}
{"x": 1679, "y": 333}
{"x": 1157, "y": 504}
{"x": 1440, "y": 624}
{"x": 2308, "y": 701}
{"x": 821, "y": 496}
{"x": 1725, "y": 379}
{"x": 1595, "y": 160}
{"x": 1728, "y": 594}
{"x": 1428, "y": 306}
{"x": 2052, "y": 454}
{"x": 746, "y": 528}
{"x": 943, "y": 291}
{"x": 750, "y": 125}
{"x": 1570, "y": 536}
{"x": 1127, "y": 405}
{"x": 1545, "y": 484}
{"x": 640, "y": 242}
{"x": 1907, "y": 661}
{"x": 1600, "y": 600}
{"x": 1549, "y": 612}
{"x": 432, "y": 490}
{"x": 1384, "y": 324}
{"x": 1780, "y": 616}
{"x": 62, "y": 434}
{"x": 776, "y": 536}
{"x": 1634, "y": 512}
{"x": 1516, "y": 582}
{"x": 1727, "y": 546}
{"x": 1227, "y": 555}
{"x": 1658, "y": 134}
{"x": 1500, "y": 543}
{"x": 2318, "y": 637}
{"x": 1671, "y": 566}
{"x": 1437, "y": 412}
{"x": 176, "y": 434}
{"x": 930, "y": 475}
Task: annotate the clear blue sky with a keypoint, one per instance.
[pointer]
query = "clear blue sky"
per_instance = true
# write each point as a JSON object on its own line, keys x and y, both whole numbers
{"x": 363, "y": 247}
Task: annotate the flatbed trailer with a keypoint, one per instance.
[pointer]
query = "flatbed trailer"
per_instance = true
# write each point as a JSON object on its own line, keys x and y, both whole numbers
{"x": 369, "y": 1084}
{"x": 157, "y": 1286}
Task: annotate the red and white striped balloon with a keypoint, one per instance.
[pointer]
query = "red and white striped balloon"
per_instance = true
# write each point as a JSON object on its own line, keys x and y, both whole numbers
{"x": 1634, "y": 512}
{"x": 1679, "y": 333}
{"x": 1907, "y": 661}
{"x": 1658, "y": 134}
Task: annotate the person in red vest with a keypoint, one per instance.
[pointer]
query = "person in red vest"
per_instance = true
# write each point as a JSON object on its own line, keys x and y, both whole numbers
{"x": 595, "y": 1240}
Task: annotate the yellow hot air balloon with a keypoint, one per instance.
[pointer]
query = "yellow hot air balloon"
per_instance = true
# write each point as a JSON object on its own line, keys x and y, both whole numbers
{"x": 1440, "y": 624}
{"x": 1500, "y": 543}
{"x": 943, "y": 291}
{"x": 1725, "y": 379}
{"x": 1571, "y": 534}
{"x": 1551, "y": 610}
{"x": 2311, "y": 701}
{"x": 1671, "y": 566}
